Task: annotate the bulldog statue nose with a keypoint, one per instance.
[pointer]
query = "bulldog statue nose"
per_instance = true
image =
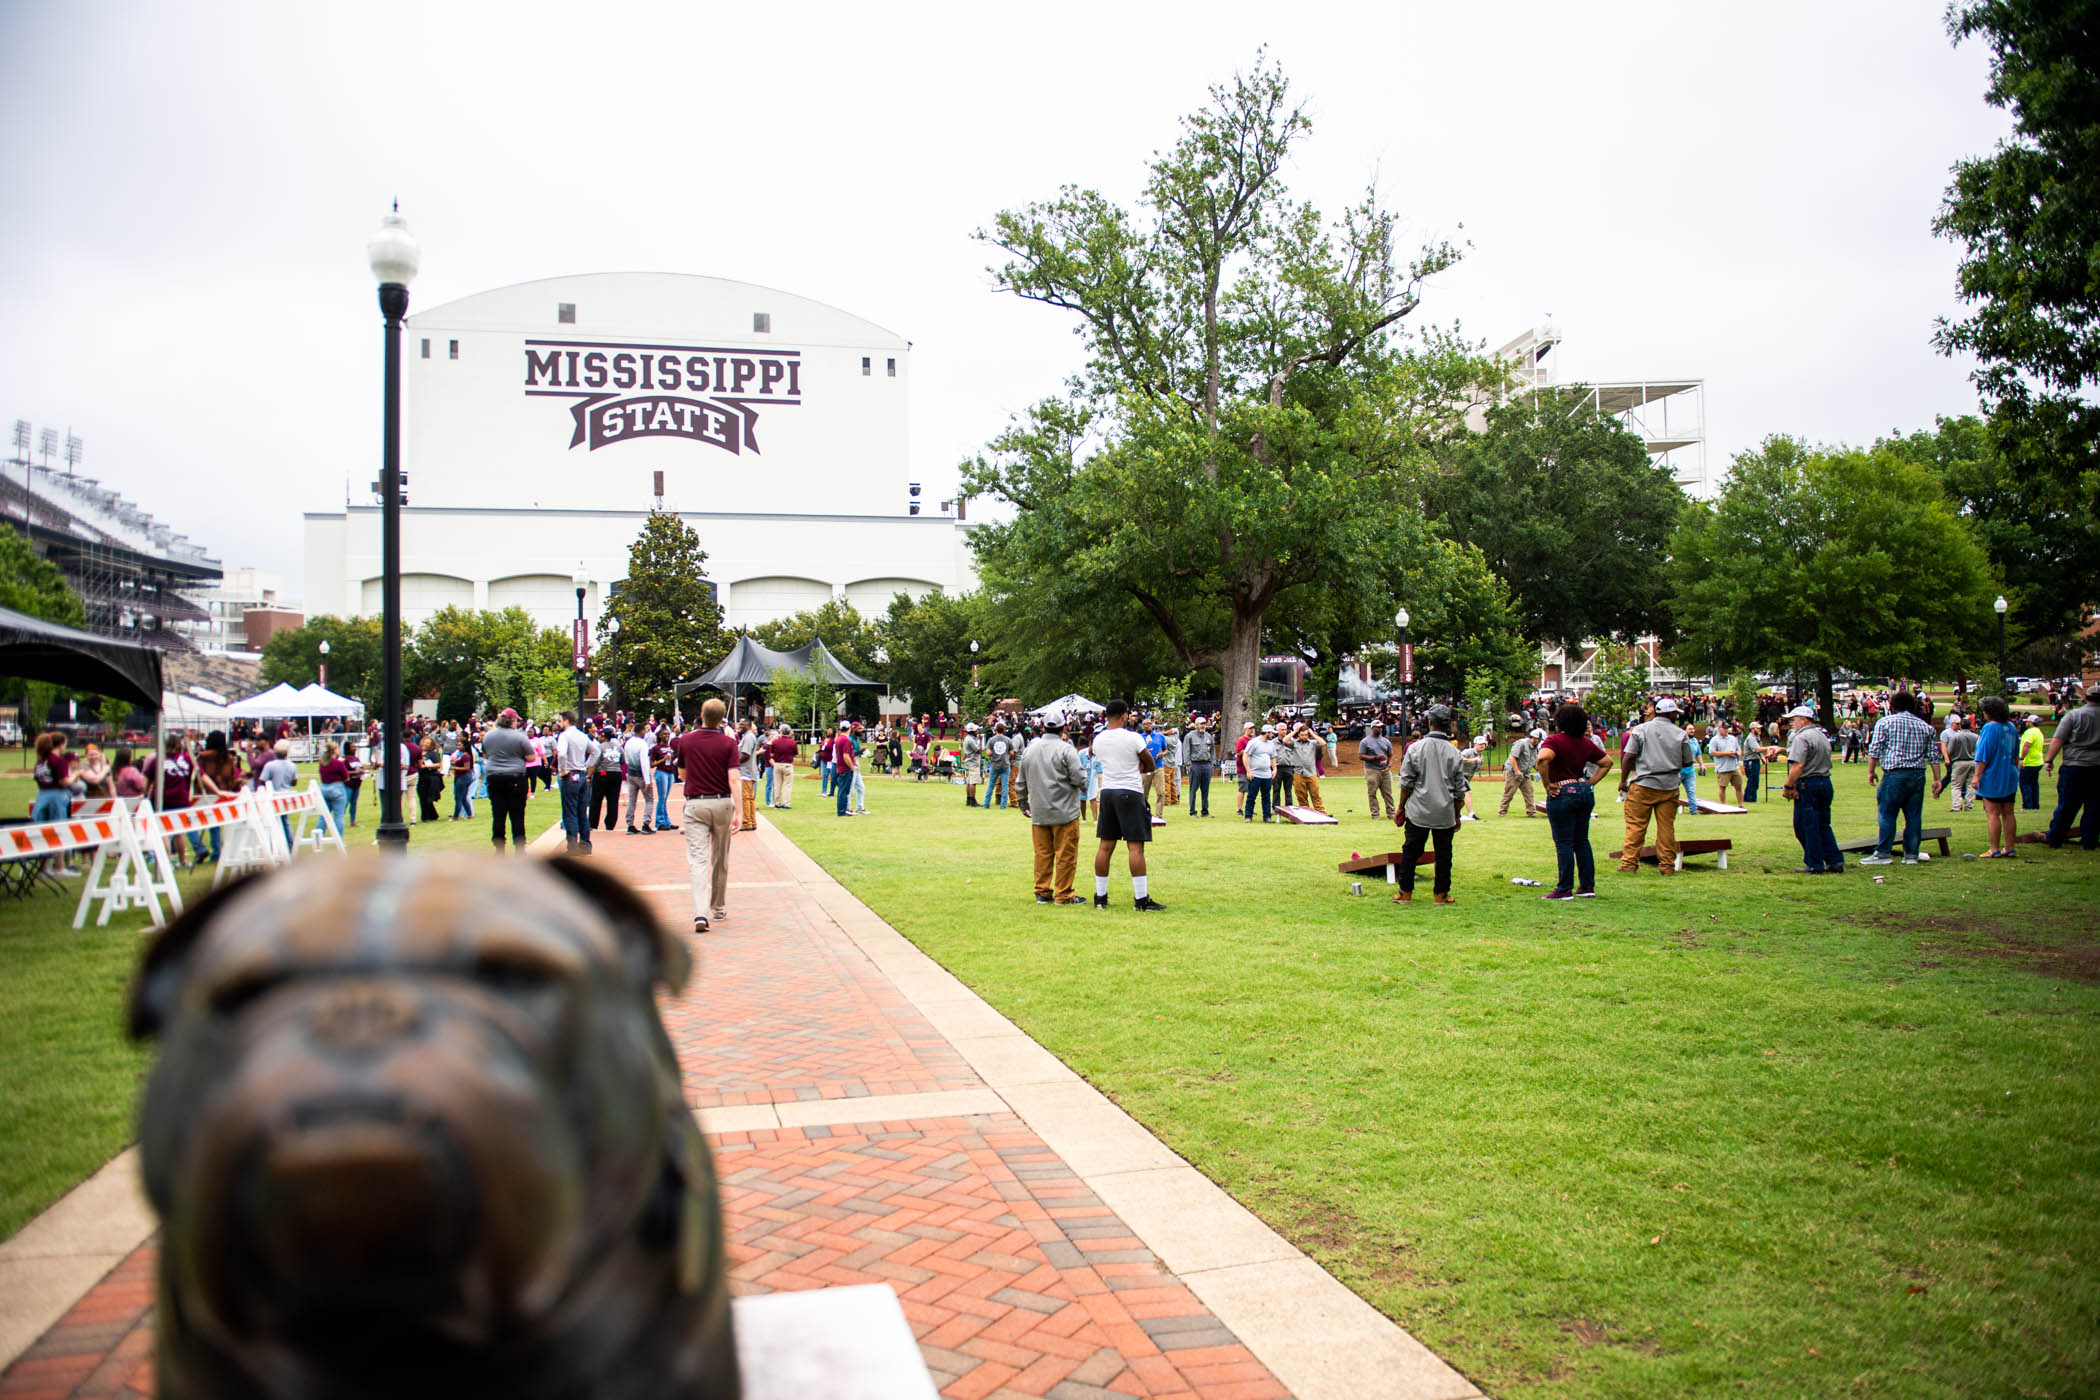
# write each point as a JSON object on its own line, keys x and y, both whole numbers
{"x": 359, "y": 1204}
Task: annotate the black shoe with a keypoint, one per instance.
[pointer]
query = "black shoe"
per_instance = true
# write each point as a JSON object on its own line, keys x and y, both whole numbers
{"x": 1149, "y": 905}
{"x": 1043, "y": 899}
{"x": 631, "y": 831}
{"x": 1101, "y": 901}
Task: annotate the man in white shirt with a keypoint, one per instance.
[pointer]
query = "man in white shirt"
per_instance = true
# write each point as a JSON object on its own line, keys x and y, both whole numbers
{"x": 1125, "y": 817}
{"x": 640, "y": 779}
{"x": 574, "y": 753}
{"x": 1261, "y": 755}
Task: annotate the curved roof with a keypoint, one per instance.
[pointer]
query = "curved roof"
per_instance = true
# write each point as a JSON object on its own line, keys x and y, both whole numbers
{"x": 662, "y": 303}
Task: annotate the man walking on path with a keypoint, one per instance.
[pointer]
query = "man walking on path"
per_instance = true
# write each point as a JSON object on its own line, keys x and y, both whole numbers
{"x": 708, "y": 757}
{"x": 1124, "y": 817}
{"x": 1656, "y": 753}
{"x": 782, "y": 752}
{"x": 1901, "y": 748}
{"x": 1429, "y": 791}
{"x": 1202, "y": 758}
{"x": 574, "y": 754}
{"x": 1517, "y": 769}
{"x": 639, "y": 781}
{"x": 1056, "y": 789}
{"x": 2077, "y": 743}
{"x": 1376, "y": 755}
{"x": 1958, "y": 747}
{"x": 1808, "y": 788}
{"x": 505, "y": 754}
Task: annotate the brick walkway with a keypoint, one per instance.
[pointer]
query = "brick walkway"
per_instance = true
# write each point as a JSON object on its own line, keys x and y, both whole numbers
{"x": 1017, "y": 1279}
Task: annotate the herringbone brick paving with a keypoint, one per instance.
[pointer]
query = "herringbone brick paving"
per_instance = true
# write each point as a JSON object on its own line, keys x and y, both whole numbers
{"x": 1017, "y": 1281}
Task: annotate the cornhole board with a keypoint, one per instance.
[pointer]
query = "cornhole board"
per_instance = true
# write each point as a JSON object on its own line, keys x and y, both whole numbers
{"x": 1389, "y": 863}
{"x": 1720, "y": 809}
{"x": 1940, "y": 834}
{"x": 1693, "y": 848}
{"x": 1306, "y": 816}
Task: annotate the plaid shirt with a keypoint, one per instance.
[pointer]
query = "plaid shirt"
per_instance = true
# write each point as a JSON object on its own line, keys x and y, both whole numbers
{"x": 1904, "y": 741}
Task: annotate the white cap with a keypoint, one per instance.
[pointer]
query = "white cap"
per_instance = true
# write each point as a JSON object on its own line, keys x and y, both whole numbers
{"x": 1801, "y": 712}
{"x": 969, "y": 729}
{"x": 1268, "y": 729}
{"x": 1538, "y": 733}
{"x": 1666, "y": 706}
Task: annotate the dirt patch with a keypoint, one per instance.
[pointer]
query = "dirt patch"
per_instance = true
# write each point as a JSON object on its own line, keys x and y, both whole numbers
{"x": 1598, "y": 1334}
{"x": 2072, "y": 957}
{"x": 1331, "y": 1234}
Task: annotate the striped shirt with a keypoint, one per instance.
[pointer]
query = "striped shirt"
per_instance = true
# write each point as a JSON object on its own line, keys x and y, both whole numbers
{"x": 1904, "y": 741}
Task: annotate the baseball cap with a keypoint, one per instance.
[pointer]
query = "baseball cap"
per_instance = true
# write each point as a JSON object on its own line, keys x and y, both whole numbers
{"x": 969, "y": 728}
{"x": 509, "y": 716}
{"x": 1801, "y": 712}
{"x": 1249, "y": 724}
{"x": 1666, "y": 706}
{"x": 1268, "y": 729}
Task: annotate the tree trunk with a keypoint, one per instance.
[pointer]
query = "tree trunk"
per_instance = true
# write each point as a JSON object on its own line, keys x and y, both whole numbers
{"x": 1241, "y": 669}
{"x": 1826, "y": 704}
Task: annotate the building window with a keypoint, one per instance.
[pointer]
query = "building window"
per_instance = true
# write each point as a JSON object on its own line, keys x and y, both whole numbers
{"x": 893, "y": 367}
{"x": 455, "y": 349}
{"x": 867, "y": 365}
{"x": 565, "y": 313}
{"x": 762, "y": 322}
{"x": 426, "y": 347}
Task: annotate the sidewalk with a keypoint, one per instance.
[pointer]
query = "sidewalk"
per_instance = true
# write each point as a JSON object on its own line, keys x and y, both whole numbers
{"x": 876, "y": 1122}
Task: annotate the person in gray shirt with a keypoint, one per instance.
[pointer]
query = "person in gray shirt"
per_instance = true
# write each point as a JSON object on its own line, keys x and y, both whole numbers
{"x": 2077, "y": 744}
{"x": 505, "y": 755}
{"x": 1808, "y": 788}
{"x": 1304, "y": 752}
{"x": 1200, "y": 750}
{"x": 1657, "y": 753}
{"x": 1056, "y": 781}
{"x": 1430, "y": 788}
{"x": 1958, "y": 747}
{"x": 1375, "y": 752}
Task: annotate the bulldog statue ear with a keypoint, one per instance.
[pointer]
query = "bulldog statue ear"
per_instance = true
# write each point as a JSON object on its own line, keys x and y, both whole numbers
{"x": 157, "y": 987}
{"x": 651, "y": 951}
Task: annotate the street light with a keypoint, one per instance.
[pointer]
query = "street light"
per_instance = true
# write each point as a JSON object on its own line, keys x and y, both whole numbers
{"x": 580, "y": 650}
{"x": 324, "y": 663}
{"x": 1407, "y": 663}
{"x": 973, "y": 664}
{"x": 612, "y": 642}
{"x": 1999, "y": 608}
{"x": 394, "y": 257}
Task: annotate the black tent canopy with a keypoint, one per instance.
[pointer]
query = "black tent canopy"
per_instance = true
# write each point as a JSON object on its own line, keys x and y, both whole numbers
{"x": 36, "y": 650}
{"x": 749, "y": 666}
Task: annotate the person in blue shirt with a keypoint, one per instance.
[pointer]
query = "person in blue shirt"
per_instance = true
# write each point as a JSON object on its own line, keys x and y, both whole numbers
{"x": 1689, "y": 774}
{"x": 1998, "y": 777}
{"x": 1155, "y": 744}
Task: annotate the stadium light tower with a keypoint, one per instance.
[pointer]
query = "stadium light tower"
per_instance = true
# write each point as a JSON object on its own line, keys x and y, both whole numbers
{"x": 394, "y": 257}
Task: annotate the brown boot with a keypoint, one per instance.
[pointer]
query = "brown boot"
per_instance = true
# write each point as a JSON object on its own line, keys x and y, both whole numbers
{"x": 1404, "y": 897}
{"x": 1443, "y": 899}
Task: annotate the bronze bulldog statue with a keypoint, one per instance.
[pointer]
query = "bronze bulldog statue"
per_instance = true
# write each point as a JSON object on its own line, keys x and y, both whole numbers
{"x": 417, "y": 1130}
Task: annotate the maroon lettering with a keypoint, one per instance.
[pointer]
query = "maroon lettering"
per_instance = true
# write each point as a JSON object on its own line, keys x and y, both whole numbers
{"x": 594, "y": 370}
{"x": 623, "y": 371}
{"x": 538, "y": 365}
{"x": 667, "y": 371}
{"x": 769, "y": 374}
{"x": 696, "y": 372}
{"x": 746, "y": 371}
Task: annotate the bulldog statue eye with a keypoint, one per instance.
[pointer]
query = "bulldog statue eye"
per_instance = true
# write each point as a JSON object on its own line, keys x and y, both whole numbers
{"x": 512, "y": 976}
{"x": 234, "y": 997}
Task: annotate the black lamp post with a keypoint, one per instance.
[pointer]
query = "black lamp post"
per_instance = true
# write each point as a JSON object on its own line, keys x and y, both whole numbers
{"x": 582, "y": 581}
{"x": 394, "y": 257}
{"x": 1999, "y": 608}
{"x": 1407, "y": 665}
{"x": 612, "y": 644}
{"x": 324, "y": 663}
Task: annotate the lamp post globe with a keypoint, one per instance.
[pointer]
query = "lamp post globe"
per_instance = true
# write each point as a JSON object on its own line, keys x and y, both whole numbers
{"x": 612, "y": 641}
{"x": 1407, "y": 666}
{"x": 394, "y": 257}
{"x": 1999, "y": 608}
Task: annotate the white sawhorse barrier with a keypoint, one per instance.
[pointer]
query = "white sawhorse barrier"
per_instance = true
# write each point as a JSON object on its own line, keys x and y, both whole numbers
{"x": 259, "y": 840}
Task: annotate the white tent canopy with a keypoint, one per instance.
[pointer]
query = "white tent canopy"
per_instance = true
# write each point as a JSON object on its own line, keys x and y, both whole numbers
{"x": 280, "y": 701}
{"x": 323, "y": 703}
{"x": 188, "y": 712}
{"x": 1068, "y": 705}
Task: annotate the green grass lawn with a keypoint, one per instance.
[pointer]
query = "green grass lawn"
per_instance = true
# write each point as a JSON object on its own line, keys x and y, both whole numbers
{"x": 1745, "y": 1130}
{"x": 68, "y": 1074}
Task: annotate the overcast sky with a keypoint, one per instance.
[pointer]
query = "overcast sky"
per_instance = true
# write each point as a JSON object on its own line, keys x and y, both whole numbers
{"x": 1742, "y": 194}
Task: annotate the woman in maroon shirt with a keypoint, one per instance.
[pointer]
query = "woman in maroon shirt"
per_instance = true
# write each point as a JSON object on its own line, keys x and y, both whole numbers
{"x": 1564, "y": 767}
{"x": 170, "y": 779}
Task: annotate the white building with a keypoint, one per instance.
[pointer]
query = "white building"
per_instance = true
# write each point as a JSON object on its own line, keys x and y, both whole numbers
{"x": 226, "y": 605}
{"x": 1668, "y": 414}
{"x": 543, "y": 420}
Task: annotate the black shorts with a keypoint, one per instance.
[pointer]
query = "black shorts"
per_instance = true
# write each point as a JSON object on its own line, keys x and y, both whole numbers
{"x": 1124, "y": 816}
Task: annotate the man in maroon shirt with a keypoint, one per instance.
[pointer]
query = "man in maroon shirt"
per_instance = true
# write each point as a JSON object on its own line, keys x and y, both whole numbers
{"x": 782, "y": 751}
{"x": 708, "y": 758}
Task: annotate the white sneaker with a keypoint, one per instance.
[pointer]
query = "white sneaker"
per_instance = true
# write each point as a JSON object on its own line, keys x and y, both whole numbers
{"x": 1877, "y": 860}
{"x": 1907, "y": 860}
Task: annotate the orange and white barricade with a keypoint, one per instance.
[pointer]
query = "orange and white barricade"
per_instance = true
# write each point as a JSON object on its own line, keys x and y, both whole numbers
{"x": 314, "y": 826}
{"x": 74, "y": 835}
{"x": 254, "y": 839}
{"x": 133, "y": 871}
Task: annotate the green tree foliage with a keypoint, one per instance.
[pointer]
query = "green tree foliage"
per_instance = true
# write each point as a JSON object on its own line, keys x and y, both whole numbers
{"x": 2041, "y": 540}
{"x": 926, "y": 646}
{"x": 1241, "y": 432}
{"x": 852, "y": 638}
{"x": 33, "y": 585}
{"x": 1569, "y": 509}
{"x": 485, "y": 661}
{"x": 2028, "y": 219}
{"x": 1824, "y": 560}
{"x": 113, "y": 712}
{"x": 355, "y": 663}
{"x": 670, "y": 623}
{"x": 792, "y": 697}
{"x": 1463, "y": 623}
{"x": 1742, "y": 694}
{"x": 1621, "y": 683}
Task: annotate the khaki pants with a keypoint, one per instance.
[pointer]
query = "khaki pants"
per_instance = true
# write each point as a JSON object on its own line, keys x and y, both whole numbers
{"x": 1721, "y": 785}
{"x": 1056, "y": 859}
{"x": 783, "y": 783}
{"x": 1307, "y": 793}
{"x": 747, "y": 805}
{"x": 1640, "y": 802}
{"x": 1169, "y": 789}
{"x": 709, "y": 823}
{"x": 1962, "y": 778}
{"x": 1378, "y": 782}
{"x": 1511, "y": 786}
